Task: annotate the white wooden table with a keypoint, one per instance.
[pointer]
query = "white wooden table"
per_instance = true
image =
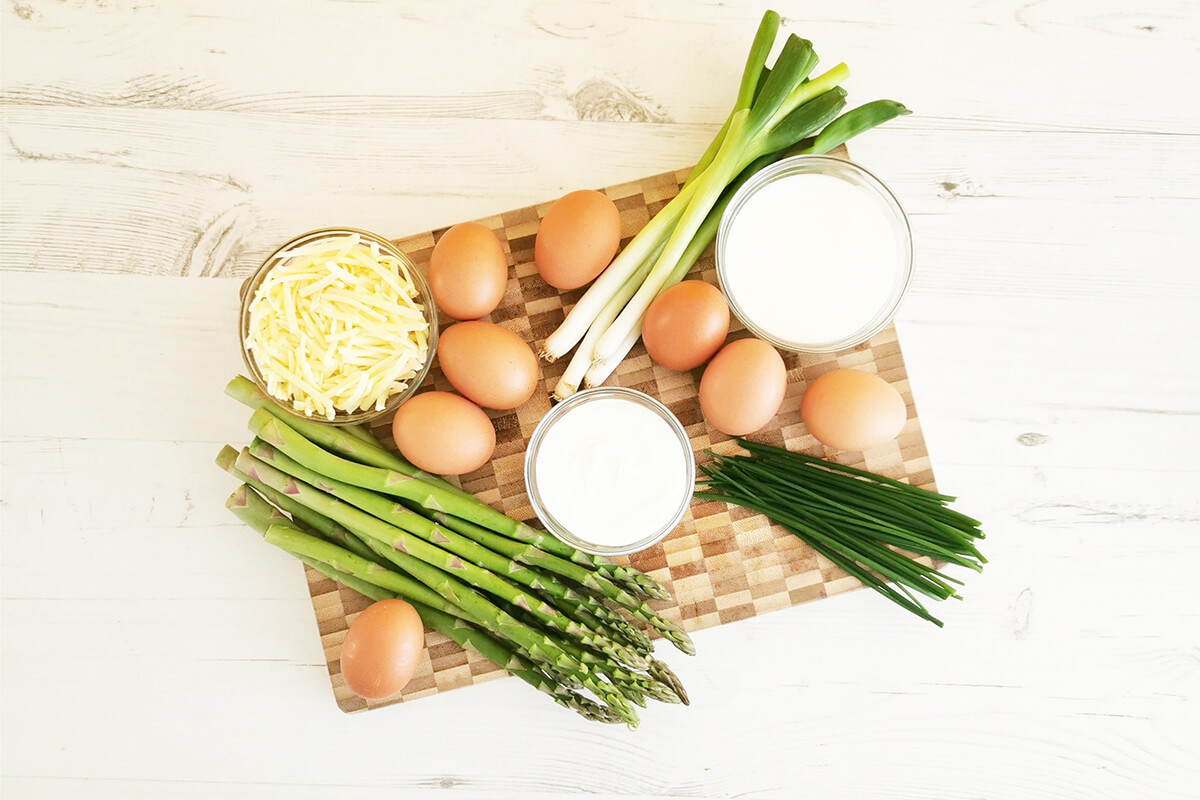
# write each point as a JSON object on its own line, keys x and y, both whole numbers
{"x": 154, "y": 151}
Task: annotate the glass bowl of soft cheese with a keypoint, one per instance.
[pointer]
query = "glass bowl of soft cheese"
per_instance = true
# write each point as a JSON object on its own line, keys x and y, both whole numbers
{"x": 610, "y": 471}
{"x": 814, "y": 254}
{"x": 338, "y": 326}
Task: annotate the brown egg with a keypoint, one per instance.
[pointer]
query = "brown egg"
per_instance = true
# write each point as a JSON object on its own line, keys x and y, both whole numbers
{"x": 685, "y": 325}
{"x": 848, "y": 409}
{"x": 382, "y": 649}
{"x": 443, "y": 433}
{"x": 743, "y": 387}
{"x": 488, "y": 364}
{"x": 576, "y": 239}
{"x": 468, "y": 271}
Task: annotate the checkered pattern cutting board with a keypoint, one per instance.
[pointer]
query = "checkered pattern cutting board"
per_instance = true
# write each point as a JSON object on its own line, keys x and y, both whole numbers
{"x": 721, "y": 564}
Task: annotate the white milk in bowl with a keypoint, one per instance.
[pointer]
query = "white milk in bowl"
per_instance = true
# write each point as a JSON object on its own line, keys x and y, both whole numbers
{"x": 814, "y": 254}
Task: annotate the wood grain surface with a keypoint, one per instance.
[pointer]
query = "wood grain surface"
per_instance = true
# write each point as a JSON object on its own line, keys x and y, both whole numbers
{"x": 154, "y": 151}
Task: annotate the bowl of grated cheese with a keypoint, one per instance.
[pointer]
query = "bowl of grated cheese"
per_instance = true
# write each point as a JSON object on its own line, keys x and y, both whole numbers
{"x": 338, "y": 326}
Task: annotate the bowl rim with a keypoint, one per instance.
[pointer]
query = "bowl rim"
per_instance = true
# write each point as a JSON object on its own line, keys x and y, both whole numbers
{"x": 255, "y": 279}
{"x": 557, "y": 412}
{"x": 841, "y": 167}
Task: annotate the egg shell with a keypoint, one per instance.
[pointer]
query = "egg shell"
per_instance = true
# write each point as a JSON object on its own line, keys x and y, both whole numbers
{"x": 443, "y": 433}
{"x": 576, "y": 239}
{"x": 382, "y": 649}
{"x": 468, "y": 271}
{"x": 685, "y": 325}
{"x": 743, "y": 387}
{"x": 848, "y": 409}
{"x": 488, "y": 364}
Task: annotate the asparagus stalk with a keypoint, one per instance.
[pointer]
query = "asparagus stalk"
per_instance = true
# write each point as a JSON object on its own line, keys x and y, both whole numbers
{"x": 351, "y": 441}
{"x": 432, "y": 573}
{"x": 248, "y": 506}
{"x": 329, "y": 529}
{"x": 598, "y": 584}
{"x": 260, "y": 516}
{"x": 373, "y": 454}
{"x": 660, "y": 684}
{"x": 530, "y": 555}
{"x": 489, "y": 563}
{"x": 596, "y": 614}
{"x": 430, "y": 497}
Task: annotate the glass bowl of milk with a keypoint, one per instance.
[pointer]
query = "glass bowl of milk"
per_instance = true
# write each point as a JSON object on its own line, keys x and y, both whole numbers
{"x": 814, "y": 254}
{"x": 610, "y": 471}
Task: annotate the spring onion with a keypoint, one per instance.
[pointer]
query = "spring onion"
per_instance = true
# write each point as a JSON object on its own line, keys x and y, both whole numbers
{"x": 779, "y": 111}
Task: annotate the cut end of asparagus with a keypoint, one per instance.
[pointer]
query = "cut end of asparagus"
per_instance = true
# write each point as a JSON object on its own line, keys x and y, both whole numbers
{"x": 245, "y": 391}
{"x": 265, "y": 426}
{"x": 239, "y": 498}
{"x": 226, "y": 458}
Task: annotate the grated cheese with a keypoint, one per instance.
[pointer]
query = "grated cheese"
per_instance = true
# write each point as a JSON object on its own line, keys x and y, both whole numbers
{"x": 335, "y": 328}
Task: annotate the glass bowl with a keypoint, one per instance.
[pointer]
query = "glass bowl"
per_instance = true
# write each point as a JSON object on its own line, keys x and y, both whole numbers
{"x": 863, "y": 181}
{"x": 561, "y": 410}
{"x": 424, "y": 297}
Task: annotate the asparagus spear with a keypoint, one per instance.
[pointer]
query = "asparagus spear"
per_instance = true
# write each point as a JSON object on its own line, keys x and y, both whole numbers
{"x": 414, "y": 548}
{"x": 475, "y": 604}
{"x": 248, "y": 506}
{"x": 349, "y": 440}
{"x": 431, "y": 497}
{"x": 658, "y": 685}
{"x": 528, "y": 554}
{"x": 329, "y": 529}
{"x": 260, "y": 516}
{"x": 396, "y": 515}
{"x": 362, "y": 447}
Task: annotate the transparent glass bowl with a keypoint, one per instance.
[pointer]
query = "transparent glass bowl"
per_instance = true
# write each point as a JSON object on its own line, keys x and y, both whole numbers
{"x": 862, "y": 180}
{"x": 424, "y": 297}
{"x": 558, "y": 412}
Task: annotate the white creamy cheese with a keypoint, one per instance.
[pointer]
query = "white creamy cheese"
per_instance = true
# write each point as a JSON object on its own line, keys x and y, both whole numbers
{"x": 335, "y": 327}
{"x": 612, "y": 472}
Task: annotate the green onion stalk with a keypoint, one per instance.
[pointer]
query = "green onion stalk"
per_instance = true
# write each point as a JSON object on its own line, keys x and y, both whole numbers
{"x": 835, "y": 134}
{"x": 777, "y": 110}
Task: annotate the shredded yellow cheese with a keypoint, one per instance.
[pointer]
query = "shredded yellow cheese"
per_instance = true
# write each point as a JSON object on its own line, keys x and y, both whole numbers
{"x": 335, "y": 327}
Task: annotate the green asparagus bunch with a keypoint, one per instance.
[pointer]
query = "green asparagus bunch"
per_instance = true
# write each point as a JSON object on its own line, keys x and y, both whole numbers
{"x": 564, "y": 621}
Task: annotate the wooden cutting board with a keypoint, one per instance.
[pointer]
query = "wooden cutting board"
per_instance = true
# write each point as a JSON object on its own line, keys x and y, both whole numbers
{"x": 721, "y": 564}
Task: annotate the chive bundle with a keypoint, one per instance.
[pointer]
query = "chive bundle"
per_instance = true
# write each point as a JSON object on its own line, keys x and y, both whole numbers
{"x": 864, "y": 523}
